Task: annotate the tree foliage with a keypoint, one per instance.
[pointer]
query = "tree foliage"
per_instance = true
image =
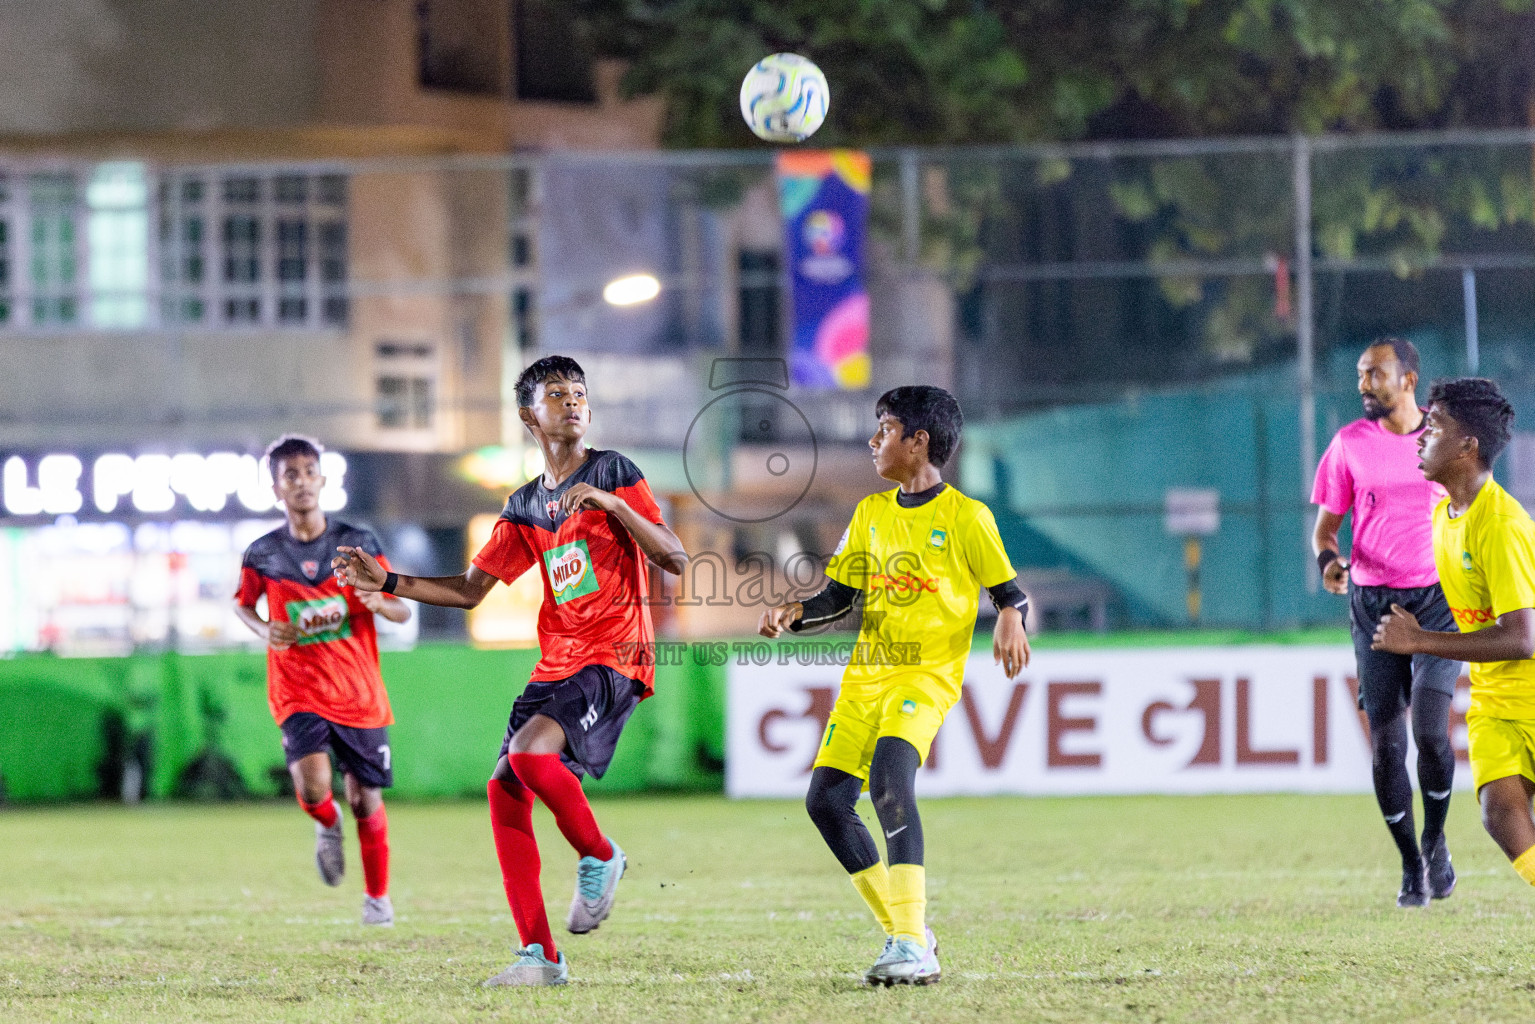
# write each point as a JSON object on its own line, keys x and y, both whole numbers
{"x": 992, "y": 71}
{"x": 960, "y": 72}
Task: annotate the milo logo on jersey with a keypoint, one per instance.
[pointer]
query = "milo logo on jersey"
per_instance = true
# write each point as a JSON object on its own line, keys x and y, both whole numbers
{"x": 570, "y": 571}
{"x": 322, "y": 619}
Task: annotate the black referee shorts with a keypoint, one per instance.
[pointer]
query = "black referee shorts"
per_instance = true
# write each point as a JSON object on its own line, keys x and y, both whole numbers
{"x": 1387, "y": 681}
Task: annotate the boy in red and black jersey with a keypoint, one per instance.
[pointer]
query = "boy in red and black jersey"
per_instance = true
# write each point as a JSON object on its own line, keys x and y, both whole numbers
{"x": 589, "y": 524}
{"x": 323, "y": 682}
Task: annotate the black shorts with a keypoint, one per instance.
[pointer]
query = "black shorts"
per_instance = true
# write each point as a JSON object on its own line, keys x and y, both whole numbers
{"x": 591, "y": 706}
{"x": 363, "y": 753}
{"x": 1387, "y": 681}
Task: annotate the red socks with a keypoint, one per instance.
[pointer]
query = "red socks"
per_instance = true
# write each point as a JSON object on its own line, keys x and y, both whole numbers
{"x": 324, "y": 812}
{"x": 373, "y": 838}
{"x": 561, "y": 792}
{"x": 511, "y": 823}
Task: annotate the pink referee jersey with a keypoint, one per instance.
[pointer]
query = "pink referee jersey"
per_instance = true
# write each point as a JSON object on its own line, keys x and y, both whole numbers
{"x": 1369, "y": 469}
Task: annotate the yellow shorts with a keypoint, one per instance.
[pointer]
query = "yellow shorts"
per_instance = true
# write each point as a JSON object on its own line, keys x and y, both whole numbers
{"x": 1500, "y": 747}
{"x": 903, "y": 710}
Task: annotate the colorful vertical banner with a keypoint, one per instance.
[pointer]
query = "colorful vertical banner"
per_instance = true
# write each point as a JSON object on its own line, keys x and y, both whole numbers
{"x": 824, "y": 196}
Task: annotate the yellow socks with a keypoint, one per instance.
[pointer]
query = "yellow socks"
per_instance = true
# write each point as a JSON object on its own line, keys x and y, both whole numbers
{"x": 873, "y": 884}
{"x": 1525, "y": 865}
{"x": 908, "y": 902}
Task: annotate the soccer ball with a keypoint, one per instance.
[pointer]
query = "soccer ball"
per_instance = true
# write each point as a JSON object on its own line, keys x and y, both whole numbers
{"x": 784, "y": 98}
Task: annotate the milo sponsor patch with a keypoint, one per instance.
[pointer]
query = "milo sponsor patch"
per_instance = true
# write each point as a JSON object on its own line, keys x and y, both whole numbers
{"x": 570, "y": 571}
{"x": 322, "y": 619}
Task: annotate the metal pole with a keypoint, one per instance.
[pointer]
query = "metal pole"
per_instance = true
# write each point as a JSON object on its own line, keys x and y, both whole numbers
{"x": 911, "y": 210}
{"x": 1305, "y": 344}
{"x": 1473, "y": 343}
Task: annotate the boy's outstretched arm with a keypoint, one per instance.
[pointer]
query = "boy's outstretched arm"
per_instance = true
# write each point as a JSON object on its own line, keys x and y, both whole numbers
{"x": 658, "y": 542}
{"x": 354, "y": 567}
{"x": 834, "y": 601}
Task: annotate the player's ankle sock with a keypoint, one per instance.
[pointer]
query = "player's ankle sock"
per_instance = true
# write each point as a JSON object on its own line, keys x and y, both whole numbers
{"x": 873, "y": 884}
{"x": 1393, "y": 786}
{"x": 560, "y": 790}
{"x": 511, "y": 823}
{"x": 908, "y": 902}
{"x": 1436, "y": 808}
{"x": 373, "y": 839}
{"x": 1405, "y": 835}
{"x": 324, "y": 812}
{"x": 1524, "y": 864}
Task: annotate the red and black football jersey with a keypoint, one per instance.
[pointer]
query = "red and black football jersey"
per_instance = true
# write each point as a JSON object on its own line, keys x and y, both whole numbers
{"x": 595, "y": 609}
{"x": 333, "y": 669}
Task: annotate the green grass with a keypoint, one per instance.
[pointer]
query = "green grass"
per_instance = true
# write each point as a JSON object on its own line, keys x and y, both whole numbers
{"x": 1230, "y": 909}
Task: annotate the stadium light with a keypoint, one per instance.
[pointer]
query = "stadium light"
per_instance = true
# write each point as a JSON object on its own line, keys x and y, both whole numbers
{"x": 631, "y": 290}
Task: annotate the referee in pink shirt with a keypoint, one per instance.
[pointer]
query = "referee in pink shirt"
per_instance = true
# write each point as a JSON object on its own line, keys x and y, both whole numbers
{"x": 1371, "y": 468}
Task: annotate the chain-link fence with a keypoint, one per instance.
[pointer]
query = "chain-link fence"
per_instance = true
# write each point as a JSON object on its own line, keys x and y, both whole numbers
{"x": 1131, "y": 328}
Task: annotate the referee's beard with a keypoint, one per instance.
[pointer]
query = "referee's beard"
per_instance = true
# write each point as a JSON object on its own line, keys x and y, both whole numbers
{"x": 1375, "y": 409}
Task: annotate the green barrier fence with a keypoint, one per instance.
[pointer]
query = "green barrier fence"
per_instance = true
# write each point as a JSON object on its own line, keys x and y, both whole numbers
{"x": 199, "y": 725}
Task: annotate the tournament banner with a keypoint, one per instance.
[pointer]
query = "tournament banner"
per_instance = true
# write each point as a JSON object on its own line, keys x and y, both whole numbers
{"x": 824, "y": 196}
{"x": 1162, "y": 720}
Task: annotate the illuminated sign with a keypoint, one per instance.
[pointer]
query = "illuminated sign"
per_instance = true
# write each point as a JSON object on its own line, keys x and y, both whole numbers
{"x": 56, "y": 485}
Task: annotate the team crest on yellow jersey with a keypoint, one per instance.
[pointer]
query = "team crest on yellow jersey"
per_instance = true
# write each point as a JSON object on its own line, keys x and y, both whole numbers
{"x": 938, "y": 539}
{"x": 1465, "y": 560}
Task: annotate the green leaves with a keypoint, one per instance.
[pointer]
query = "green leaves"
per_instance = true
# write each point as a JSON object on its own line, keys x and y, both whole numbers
{"x": 959, "y": 72}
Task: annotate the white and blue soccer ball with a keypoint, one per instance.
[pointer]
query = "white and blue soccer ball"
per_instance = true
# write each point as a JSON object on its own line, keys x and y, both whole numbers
{"x": 784, "y": 98}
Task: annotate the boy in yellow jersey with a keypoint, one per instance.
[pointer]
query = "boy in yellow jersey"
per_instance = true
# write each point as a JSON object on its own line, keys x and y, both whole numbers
{"x": 920, "y": 555}
{"x": 1484, "y": 547}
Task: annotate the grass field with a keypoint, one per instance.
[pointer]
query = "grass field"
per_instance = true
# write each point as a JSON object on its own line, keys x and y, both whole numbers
{"x": 1257, "y": 908}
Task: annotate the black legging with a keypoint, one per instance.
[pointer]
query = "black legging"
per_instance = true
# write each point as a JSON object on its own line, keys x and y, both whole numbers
{"x": 832, "y": 804}
{"x": 1430, "y": 714}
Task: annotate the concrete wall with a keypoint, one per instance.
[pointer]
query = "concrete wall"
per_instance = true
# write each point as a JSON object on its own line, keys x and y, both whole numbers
{"x": 202, "y": 388}
{"x": 105, "y": 74}
{"x": 72, "y": 66}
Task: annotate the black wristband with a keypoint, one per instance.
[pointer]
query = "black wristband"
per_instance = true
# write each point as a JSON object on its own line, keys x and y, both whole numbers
{"x": 391, "y": 581}
{"x": 1324, "y": 559}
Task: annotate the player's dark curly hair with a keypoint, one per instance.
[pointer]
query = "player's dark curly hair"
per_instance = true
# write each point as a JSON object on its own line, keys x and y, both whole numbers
{"x": 1481, "y": 410}
{"x": 542, "y": 372}
{"x": 1406, "y": 352}
{"x": 289, "y": 445}
{"x": 929, "y": 408}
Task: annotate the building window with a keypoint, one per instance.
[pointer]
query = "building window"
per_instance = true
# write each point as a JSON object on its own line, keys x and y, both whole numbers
{"x": 555, "y": 61}
{"x": 118, "y": 245}
{"x": 522, "y": 242}
{"x": 522, "y": 318}
{"x": 183, "y": 251}
{"x": 757, "y": 299}
{"x": 5, "y": 249}
{"x": 99, "y": 244}
{"x": 461, "y": 46}
{"x": 54, "y": 260}
{"x": 332, "y": 256}
{"x": 405, "y": 403}
{"x": 279, "y": 249}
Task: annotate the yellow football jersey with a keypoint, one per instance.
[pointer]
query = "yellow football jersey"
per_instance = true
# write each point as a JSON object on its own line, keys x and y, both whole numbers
{"x": 1486, "y": 562}
{"x": 921, "y": 571}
